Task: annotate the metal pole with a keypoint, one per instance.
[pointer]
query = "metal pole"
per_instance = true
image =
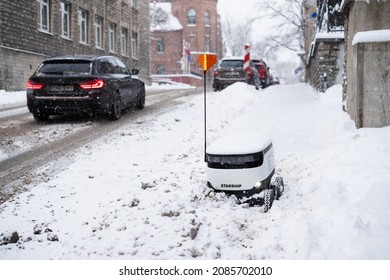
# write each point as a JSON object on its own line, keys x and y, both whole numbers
{"x": 205, "y": 115}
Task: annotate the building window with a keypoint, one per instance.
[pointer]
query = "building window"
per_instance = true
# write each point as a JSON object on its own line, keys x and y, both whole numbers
{"x": 65, "y": 22}
{"x": 191, "y": 17}
{"x": 206, "y": 19}
{"x": 111, "y": 36}
{"x": 160, "y": 45}
{"x": 98, "y": 32}
{"x": 43, "y": 15}
{"x": 160, "y": 69}
{"x": 124, "y": 41}
{"x": 134, "y": 44}
{"x": 83, "y": 26}
{"x": 134, "y": 3}
{"x": 207, "y": 43}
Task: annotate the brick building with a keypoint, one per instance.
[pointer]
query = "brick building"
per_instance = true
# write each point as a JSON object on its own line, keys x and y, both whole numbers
{"x": 179, "y": 28}
{"x": 367, "y": 65}
{"x": 31, "y": 30}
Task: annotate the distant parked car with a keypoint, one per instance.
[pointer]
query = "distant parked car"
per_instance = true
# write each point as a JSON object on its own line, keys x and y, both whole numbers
{"x": 231, "y": 70}
{"x": 274, "y": 79}
{"x": 83, "y": 84}
{"x": 263, "y": 70}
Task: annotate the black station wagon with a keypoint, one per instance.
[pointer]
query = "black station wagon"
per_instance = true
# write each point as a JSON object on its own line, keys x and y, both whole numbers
{"x": 83, "y": 85}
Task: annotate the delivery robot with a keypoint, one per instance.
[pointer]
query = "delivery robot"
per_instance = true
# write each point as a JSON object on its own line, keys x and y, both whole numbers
{"x": 242, "y": 164}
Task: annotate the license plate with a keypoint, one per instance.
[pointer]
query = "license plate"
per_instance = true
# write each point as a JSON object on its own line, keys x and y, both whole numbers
{"x": 231, "y": 74}
{"x": 62, "y": 88}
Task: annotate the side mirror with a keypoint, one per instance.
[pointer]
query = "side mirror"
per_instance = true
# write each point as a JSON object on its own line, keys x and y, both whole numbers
{"x": 134, "y": 71}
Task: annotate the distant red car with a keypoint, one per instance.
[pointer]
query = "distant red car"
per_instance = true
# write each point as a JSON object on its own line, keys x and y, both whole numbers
{"x": 264, "y": 74}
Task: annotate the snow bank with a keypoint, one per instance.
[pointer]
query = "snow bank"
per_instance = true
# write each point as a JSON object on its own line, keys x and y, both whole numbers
{"x": 8, "y": 98}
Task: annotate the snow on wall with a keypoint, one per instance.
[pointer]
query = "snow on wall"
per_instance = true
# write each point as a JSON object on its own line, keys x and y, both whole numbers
{"x": 330, "y": 35}
{"x": 372, "y": 36}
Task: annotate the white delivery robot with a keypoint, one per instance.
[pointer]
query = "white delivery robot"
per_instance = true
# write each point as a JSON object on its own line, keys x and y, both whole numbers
{"x": 243, "y": 164}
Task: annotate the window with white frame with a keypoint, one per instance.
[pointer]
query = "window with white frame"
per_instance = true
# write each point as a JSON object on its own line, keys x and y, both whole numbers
{"x": 161, "y": 69}
{"x": 83, "y": 26}
{"x": 98, "y": 32}
{"x": 160, "y": 45}
{"x": 65, "y": 19}
{"x": 111, "y": 36}
{"x": 206, "y": 18}
{"x": 134, "y": 44}
{"x": 43, "y": 15}
{"x": 191, "y": 17}
{"x": 124, "y": 41}
{"x": 207, "y": 43}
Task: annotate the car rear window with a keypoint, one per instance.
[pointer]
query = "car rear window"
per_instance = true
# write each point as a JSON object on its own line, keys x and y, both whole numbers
{"x": 65, "y": 68}
{"x": 232, "y": 63}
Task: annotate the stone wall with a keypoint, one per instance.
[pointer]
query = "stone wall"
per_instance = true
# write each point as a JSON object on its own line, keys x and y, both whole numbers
{"x": 325, "y": 63}
{"x": 367, "y": 65}
{"x": 369, "y": 103}
{"x": 16, "y": 67}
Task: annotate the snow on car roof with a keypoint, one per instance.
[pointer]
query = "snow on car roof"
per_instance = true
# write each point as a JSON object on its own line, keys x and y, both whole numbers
{"x": 239, "y": 143}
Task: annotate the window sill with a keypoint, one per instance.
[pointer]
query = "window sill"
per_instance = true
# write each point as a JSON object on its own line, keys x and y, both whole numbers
{"x": 45, "y": 32}
{"x": 66, "y": 38}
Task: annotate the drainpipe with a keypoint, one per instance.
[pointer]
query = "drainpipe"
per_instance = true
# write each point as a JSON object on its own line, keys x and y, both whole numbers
{"x": 360, "y": 84}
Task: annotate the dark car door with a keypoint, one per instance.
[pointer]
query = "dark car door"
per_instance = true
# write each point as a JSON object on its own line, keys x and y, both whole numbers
{"x": 135, "y": 86}
{"x": 126, "y": 81}
{"x": 117, "y": 77}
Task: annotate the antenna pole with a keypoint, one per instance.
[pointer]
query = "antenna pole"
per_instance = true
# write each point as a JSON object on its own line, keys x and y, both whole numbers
{"x": 206, "y": 61}
{"x": 205, "y": 115}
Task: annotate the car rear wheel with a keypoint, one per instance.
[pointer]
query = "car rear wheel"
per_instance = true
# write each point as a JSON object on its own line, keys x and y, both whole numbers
{"x": 116, "y": 108}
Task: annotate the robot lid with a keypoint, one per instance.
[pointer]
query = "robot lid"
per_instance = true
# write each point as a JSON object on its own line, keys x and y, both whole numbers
{"x": 239, "y": 143}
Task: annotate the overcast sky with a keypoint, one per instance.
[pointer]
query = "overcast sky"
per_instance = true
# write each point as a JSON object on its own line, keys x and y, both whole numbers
{"x": 237, "y": 9}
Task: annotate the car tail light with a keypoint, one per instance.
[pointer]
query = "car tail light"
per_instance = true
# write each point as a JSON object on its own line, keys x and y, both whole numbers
{"x": 33, "y": 85}
{"x": 216, "y": 73}
{"x": 250, "y": 73}
{"x": 95, "y": 84}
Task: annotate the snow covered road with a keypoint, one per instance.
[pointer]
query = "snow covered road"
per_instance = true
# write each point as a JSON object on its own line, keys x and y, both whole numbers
{"x": 25, "y": 143}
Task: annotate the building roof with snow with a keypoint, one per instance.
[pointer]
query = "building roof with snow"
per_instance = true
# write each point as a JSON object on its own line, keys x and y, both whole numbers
{"x": 162, "y": 19}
